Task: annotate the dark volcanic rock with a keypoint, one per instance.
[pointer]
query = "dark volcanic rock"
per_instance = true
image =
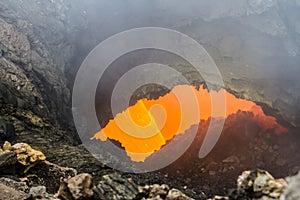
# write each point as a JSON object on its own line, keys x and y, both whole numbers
{"x": 19, "y": 186}
{"x": 77, "y": 187}
{"x": 7, "y": 130}
{"x": 33, "y": 91}
{"x": 153, "y": 192}
{"x": 257, "y": 184}
{"x": 49, "y": 175}
{"x": 113, "y": 186}
{"x": 39, "y": 192}
{"x": 10, "y": 193}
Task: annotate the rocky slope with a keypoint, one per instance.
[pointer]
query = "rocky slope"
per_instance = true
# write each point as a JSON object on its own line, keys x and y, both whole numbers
{"x": 32, "y": 81}
{"x": 25, "y": 174}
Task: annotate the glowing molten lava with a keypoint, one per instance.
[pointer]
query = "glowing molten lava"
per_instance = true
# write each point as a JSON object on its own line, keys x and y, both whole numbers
{"x": 146, "y": 126}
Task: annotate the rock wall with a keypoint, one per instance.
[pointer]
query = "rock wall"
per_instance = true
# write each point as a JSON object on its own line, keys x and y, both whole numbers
{"x": 34, "y": 52}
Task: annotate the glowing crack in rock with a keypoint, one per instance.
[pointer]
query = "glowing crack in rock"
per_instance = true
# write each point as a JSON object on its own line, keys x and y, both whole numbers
{"x": 146, "y": 126}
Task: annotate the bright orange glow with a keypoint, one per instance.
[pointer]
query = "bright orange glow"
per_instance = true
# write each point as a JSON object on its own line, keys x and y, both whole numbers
{"x": 146, "y": 126}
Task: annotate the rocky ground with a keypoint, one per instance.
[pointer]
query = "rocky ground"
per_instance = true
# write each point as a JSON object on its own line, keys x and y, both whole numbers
{"x": 25, "y": 174}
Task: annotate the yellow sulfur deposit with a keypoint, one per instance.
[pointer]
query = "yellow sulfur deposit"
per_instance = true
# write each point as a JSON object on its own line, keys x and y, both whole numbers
{"x": 25, "y": 154}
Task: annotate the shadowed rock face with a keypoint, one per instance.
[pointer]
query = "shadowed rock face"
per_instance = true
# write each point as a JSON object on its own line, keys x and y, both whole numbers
{"x": 34, "y": 96}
